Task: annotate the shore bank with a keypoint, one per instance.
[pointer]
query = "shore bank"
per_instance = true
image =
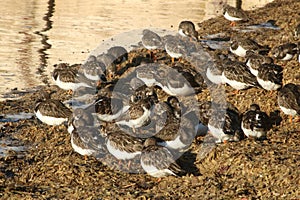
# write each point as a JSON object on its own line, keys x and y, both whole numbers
{"x": 248, "y": 169}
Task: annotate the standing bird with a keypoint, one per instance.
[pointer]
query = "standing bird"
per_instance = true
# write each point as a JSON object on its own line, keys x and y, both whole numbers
{"x": 158, "y": 161}
{"x": 187, "y": 29}
{"x": 255, "y": 123}
{"x": 289, "y": 100}
{"x": 151, "y": 41}
{"x": 234, "y": 14}
{"x": 51, "y": 111}
{"x": 175, "y": 47}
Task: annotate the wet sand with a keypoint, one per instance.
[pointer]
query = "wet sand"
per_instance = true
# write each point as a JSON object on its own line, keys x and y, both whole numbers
{"x": 249, "y": 169}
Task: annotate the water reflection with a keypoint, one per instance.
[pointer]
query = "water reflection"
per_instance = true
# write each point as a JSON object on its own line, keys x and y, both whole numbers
{"x": 44, "y": 41}
{"x": 35, "y": 35}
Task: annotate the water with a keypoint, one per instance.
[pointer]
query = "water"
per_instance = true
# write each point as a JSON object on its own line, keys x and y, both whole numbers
{"x": 7, "y": 143}
{"x": 35, "y": 35}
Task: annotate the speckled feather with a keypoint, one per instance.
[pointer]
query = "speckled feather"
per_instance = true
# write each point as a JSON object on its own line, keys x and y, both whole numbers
{"x": 289, "y": 97}
{"x": 160, "y": 160}
{"x": 255, "y": 122}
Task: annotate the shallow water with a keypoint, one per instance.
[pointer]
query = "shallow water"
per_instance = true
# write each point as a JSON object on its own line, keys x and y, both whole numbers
{"x": 35, "y": 35}
{"x": 7, "y": 145}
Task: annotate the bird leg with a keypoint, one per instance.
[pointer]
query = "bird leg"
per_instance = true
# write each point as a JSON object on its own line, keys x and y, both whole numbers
{"x": 290, "y": 119}
{"x": 172, "y": 60}
{"x": 70, "y": 92}
{"x": 235, "y": 92}
{"x": 233, "y": 23}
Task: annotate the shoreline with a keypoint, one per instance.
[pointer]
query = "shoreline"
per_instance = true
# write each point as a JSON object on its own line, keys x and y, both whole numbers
{"x": 247, "y": 169}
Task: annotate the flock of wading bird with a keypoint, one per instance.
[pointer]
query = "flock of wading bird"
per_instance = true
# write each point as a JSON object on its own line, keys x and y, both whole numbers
{"x": 138, "y": 109}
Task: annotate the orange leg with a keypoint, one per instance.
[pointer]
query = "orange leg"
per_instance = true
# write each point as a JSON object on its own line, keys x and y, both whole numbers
{"x": 70, "y": 92}
{"x": 129, "y": 163}
{"x": 233, "y": 23}
{"x": 235, "y": 92}
{"x": 290, "y": 119}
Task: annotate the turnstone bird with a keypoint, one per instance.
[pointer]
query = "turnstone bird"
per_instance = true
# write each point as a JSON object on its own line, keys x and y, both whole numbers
{"x": 187, "y": 29}
{"x": 225, "y": 125}
{"x": 87, "y": 140}
{"x": 237, "y": 75}
{"x": 122, "y": 145}
{"x": 206, "y": 108}
{"x": 175, "y": 47}
{"x": 151, "y": 41}
{"x": 255, "y": 60}
{"x": 239, "y": 46}
{"x": 289, "y": 99}
{"x": 82, "y": 97}
{"x": 255, "y": 123}
{"x": 270, "y": 76}
{"x": 93, "y": 69}
{"x": 109, "y": 61}
{"x": 148, "y": 73}
{"x": 162, "y": 113}
{"x": 158, "y": 161}
{"x": 177, "y": 135}
{"x": 80, "y": 117}
{"x": 285, "y": 51}
{"x": 68, "y": 78}
{"x": 176, "y": 84}
{"x": 120, "y": 54}
{"x": 108, "y": 109}
{"x": 137, "y": 115}
{"x": 234, "y": 14}
{"x": 214, "y": 71}
{"x": 51, "y": 111}
{"x": 189, "y": 75}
